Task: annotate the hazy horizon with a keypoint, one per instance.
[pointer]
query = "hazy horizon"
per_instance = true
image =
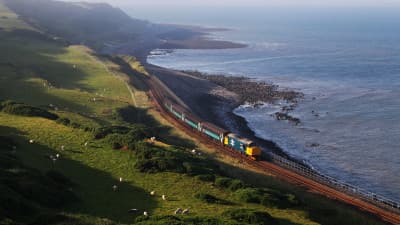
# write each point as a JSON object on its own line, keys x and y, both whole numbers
{"x": 230, "y": 3}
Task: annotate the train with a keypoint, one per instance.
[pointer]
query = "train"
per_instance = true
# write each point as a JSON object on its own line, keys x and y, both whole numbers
{"x": 215, "y": 133}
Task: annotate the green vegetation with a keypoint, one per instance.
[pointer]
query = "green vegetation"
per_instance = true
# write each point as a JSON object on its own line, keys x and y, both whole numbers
{"x": 88, "y": 129}
{"x": 25, "y": 110}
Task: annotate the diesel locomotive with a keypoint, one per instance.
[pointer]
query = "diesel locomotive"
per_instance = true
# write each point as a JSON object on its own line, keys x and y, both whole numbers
{"x": 224, "y": 137}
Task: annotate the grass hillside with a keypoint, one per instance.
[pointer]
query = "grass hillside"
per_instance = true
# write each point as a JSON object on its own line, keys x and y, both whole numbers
{"x": 71, "y": 127}
{"x": 80, "y": 22}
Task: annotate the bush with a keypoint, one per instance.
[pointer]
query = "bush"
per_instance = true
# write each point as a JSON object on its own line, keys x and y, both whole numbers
{"x": 236, "y": 184}
{"x": 26, "y": 110}
{"x": 206, "y": 177}
{"x": 63, "y": 121}
{"x": 206, "y": 198}
{"x": 249, "y": 195}
{"x": 223, "y": 182}
{"x": 248, "y": 216}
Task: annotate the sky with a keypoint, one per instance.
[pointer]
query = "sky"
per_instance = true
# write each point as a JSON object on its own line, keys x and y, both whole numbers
{"x": 280, "y": 3}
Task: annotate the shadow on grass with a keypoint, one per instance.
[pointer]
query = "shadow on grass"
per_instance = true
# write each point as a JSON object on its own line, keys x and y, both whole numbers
{"x": 93, "y": 187}
{"x": 28, "y": 54}
{"x": 163, "y": 133}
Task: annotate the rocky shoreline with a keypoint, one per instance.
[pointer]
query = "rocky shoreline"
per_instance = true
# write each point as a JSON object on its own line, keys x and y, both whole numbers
{"x": 256, "y": 93}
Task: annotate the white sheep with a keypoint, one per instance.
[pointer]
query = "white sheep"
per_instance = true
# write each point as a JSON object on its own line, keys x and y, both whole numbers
{"x": 152, "y": 192}
{"x": 194, "y": 151}
{"x": 86, "y": 144}
{"x": 57, "y": 155}
{"x": 164, "y": 197}
{"x": 133, "y": 210}
{"x": 115, "y": 187}
{"x": 120, "y": 179}
{"x": 62, "y": 147}
{"x": 31, "y": 141}
{"x": 185, "y": 211}
{"x": 145, "y": 213}
{"x": 178, "y": 211}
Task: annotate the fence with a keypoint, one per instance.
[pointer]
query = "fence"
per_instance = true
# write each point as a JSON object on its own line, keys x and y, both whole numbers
{"x": 336, "y": 184}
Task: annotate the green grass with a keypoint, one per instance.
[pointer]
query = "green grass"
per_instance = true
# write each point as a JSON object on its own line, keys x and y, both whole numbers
{"x": 65, "y": 80}
{"x": 9, "y": 20}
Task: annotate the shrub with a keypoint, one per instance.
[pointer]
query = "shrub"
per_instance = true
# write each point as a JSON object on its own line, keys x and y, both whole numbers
{"x": 206, "y": 198}
{"x": 236, "y": 184}
{"x": 26, "y": 110}
{"x": 249, "y": 195}
{"x": 248, "y": 216}
{"x": 223, "y": 182}
{"x": 64, "y": 121}
{"x": 206, "y": 177}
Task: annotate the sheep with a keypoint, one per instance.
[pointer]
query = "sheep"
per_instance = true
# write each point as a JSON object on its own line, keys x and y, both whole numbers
{"x": 31, "y": 141}
{"x": 164, "y": 197}
{"x": 62, "y": 147}
{"x": 133, "y": 210}
{"x": 120, "y": 179}
{"x": 178, "y": 211}
{"x": 86, "y": 144}
{"x": 185, "y": 211}
{"x": 115, "y": 187}
{"x": 152, "y": 192}
{"x": 57, "y": 155}
{"x": 145, "y": 214}
{"x": 194, "y": 151}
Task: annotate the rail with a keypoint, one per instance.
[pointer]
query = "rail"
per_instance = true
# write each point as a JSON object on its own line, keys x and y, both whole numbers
{"x": 335, "y": 183}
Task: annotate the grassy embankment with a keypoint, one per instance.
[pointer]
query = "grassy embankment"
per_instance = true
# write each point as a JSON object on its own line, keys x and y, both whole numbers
{"x": 74, "y": 84}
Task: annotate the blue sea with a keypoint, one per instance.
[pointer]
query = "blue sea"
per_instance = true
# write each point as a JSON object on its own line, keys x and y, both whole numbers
{"x": 345, "y": 60}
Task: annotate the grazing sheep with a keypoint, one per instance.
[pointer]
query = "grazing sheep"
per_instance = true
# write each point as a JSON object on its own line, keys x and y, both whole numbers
{"x": 152, "y": 192}
{"x": 178, "y": 211}
{"x": 164, "y": 197}
{"x": 194, "y": 151}
{"x": 133, "y": 210}
{"x": 57, "y": 156}
{"x": 115, "y": 188}
{"x": 62, "y": 147}
{"x": 120, "y": 179}
{"x": 31, "y": 141}
{"x": 185, "y": 211}
{"x": 145, "y": 213}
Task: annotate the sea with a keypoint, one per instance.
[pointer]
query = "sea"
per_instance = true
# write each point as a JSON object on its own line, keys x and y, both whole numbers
{"x": 345, "y": 60}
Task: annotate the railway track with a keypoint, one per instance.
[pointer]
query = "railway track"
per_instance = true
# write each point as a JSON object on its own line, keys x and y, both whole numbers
{"x": 157, "y": 95}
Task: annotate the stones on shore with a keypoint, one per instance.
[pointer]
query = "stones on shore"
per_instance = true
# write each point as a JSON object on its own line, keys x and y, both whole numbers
{"x": 249, "y": 90}
{"x": 285, "y": 116}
